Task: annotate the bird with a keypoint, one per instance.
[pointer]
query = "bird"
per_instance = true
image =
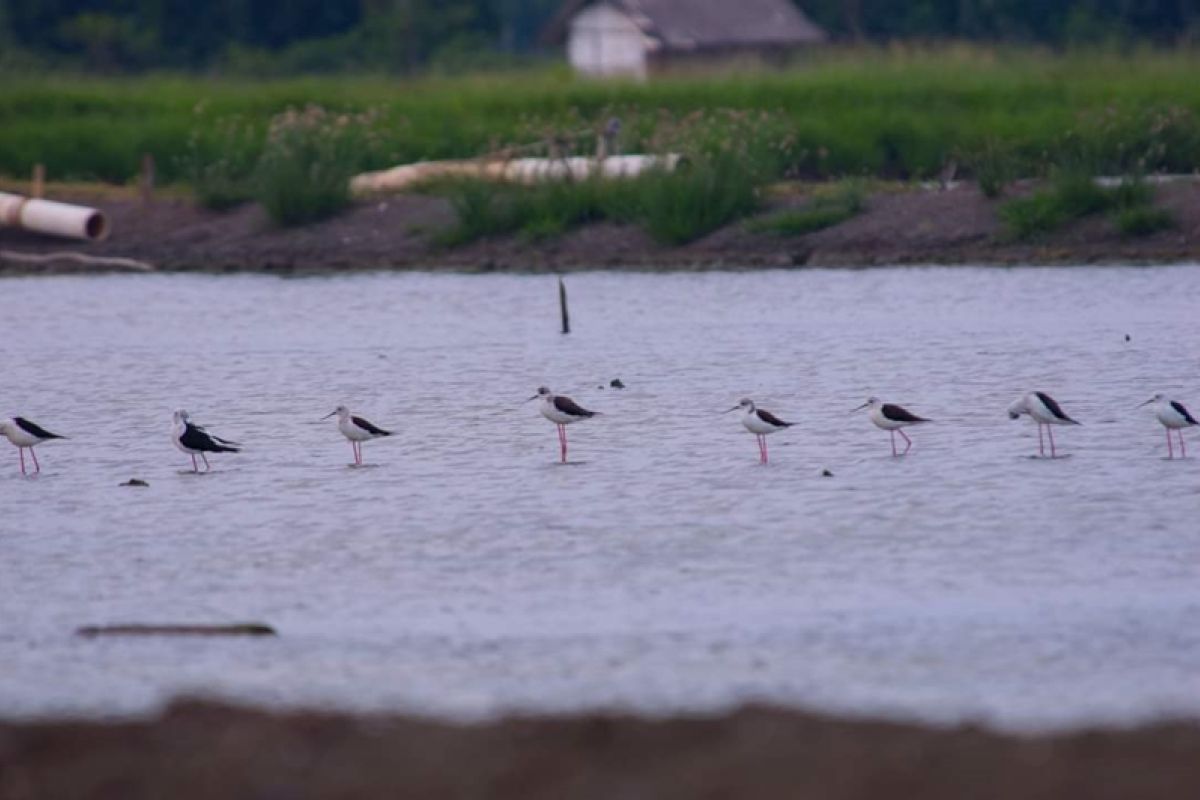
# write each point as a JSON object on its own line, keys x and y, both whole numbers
{"x": 193, "y": 439}
{"x": 1174, "y": 417}
{"x": 25, "y": 435}
{"x": 892, "y": 418}
{"x": 1044, "y": 410}
{"x": 759, "y": 422}
{"x": 357, "y": 430}
{"x": 562, "y": 411}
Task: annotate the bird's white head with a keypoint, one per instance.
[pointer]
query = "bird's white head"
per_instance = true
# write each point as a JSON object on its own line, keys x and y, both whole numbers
{"x": 872, "y": 402}
{"x": 1158, "y": 398}
{"x": 341, "y": 411}
{"x": 543, "y": 393}
{"x": 746, "y": 404}
{"x": 181, "y": 416}
{"x": 1018, "y": 407}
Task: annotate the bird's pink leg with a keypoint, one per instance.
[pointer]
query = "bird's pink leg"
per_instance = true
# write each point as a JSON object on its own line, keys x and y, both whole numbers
{"x": 562, "y": 442}
{"x": 21, "y": 450}
{"x": 893, "y": 436}
{"x": 195, "y": 466}
{"x": 763, "y": 438}
{"x": 36, "y": 466}
{"x": 207, "y": 468}
{"x": 1041, "y": 444}
{"x": 1182, "y": 446}
{"x": 1050, "y": 433}
{"x": 907, "y": 441}
{"x": 1170, "y": 448}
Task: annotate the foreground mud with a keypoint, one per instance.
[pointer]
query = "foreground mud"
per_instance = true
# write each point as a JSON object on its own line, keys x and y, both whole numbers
{"x": 907, "y": 226}
{"x": 204, "y": 750}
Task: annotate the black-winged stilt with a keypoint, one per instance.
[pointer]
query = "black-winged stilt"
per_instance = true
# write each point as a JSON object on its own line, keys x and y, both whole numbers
{"x": 759, "y": 422}
{"x": 1044, "y": 410}
{"x": 1174, "y": 417}
{"x": 562, "y": 411}
{"x": 357, "y": 430}
{"x": 194, "y": 440}
{"x": 891, "y": 418}
{"x": 25, "y": 435}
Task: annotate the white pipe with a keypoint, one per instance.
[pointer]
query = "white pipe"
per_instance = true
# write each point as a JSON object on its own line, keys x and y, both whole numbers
{"x": 54, "y": 219}
{"x": 519, "y": 170}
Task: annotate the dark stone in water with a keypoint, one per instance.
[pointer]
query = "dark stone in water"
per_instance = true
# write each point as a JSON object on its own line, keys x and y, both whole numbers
{"x": 616, "y": 383}
{"x": 135, "y": 482}
{"x": 826, "y": 473}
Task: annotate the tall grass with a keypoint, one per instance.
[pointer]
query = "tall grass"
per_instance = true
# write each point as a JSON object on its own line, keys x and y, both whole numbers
{"x": 727, "y": 160}
{"x": 1073, "y": 194}
{"x": 888, "y": 113}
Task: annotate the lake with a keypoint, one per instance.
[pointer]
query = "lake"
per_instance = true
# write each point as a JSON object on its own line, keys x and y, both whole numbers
{"x": 464, "y": 572}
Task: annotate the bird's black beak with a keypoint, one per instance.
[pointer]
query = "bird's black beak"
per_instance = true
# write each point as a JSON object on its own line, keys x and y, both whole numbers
{"x": 535, "y": 397}
{"x": 726, "y": 411}
{"x": 1148, "y": 402}
{"x": 327, "y": 416}
{"x": 859, "y": 408}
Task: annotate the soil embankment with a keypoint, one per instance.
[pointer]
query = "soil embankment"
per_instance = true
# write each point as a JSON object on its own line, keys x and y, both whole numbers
{"x": 909, "y": 226}
{"x": 204, "y": 750}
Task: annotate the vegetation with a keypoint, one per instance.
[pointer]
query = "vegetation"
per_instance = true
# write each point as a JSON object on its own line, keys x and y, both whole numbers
{"x": 826, "y": 209}
{"x": 891, "y": 114}
{"x": 1074, "y": 194}
{"x": 728, "y": 158}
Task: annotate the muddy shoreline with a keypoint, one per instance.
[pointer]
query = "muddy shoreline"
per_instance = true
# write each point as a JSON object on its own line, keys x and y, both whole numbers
{"x": 197, "y": 749}
{"x": 900, "y": 226}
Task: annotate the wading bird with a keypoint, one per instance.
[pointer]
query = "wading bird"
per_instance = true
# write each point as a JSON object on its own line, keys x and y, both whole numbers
{"x": 891, "y": 418}
{"x": 25, "y": 436}
{"x": 562, "y": 411}
{"x": 760, "y": 423}
{"x": 357, "y": 430}
{"x": 1174, "y": 417}
{"x": 1043, "y": 410}
{"x": 194, "y": 440}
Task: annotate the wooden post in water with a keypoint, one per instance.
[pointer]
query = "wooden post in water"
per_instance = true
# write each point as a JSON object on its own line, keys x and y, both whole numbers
{"x": 146, "y": 179}
{"x": 38, "y": 189}
{"x": 562, "y": 306}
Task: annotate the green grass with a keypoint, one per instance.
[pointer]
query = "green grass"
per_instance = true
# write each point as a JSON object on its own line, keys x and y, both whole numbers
{"x": 888, "y": 113}
{"x": 1142, "y": 220}
{"x": 842, "y": 202}
{"x": 1073, "y": 194}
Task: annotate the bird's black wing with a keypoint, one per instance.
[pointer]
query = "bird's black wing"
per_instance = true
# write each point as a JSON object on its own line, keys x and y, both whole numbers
{"x": 771, "y": 419}
{"x": 1054, "y": 407}
{"x": 196, "y": 438}
{"x": 1183, "y": 412}
{"x": 568, "y": 406}
{"x": 897, "y": 414}
{"x": 35, "y": 430}
{"x": 369, "y": 428}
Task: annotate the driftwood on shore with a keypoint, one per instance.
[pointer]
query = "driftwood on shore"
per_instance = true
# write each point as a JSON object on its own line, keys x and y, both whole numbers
{"x": 100, "y": 262}
{"x": 139, "y": 629}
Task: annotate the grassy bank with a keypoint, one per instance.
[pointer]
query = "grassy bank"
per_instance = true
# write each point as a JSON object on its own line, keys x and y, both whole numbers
{"x": 891, "y": 114}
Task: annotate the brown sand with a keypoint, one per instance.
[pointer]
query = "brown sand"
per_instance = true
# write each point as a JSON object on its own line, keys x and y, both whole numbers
{"x": 911, "y": 226}
{"x": 205, "y": 750}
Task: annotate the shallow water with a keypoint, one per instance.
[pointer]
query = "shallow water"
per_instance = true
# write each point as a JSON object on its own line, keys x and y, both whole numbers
{"x": 465, "y": 572}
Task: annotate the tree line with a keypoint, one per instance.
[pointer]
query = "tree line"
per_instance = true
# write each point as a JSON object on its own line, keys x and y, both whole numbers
{"x": 408, "y": 35}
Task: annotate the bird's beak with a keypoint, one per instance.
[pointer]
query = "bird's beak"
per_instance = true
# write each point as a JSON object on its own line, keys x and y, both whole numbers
{"x": 526, "y": 400}
{"x": 327, "y": 416}
{"x": 1148, "y": 402}
{"x": 726, "y": 411}
{"x": 859, "y": 408}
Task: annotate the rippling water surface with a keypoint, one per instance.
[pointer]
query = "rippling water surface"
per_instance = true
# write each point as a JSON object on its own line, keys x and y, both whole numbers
{"x": 465, "y": 572}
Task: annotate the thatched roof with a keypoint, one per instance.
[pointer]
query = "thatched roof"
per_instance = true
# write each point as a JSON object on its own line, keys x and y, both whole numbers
{"x": 704, "y": 24}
